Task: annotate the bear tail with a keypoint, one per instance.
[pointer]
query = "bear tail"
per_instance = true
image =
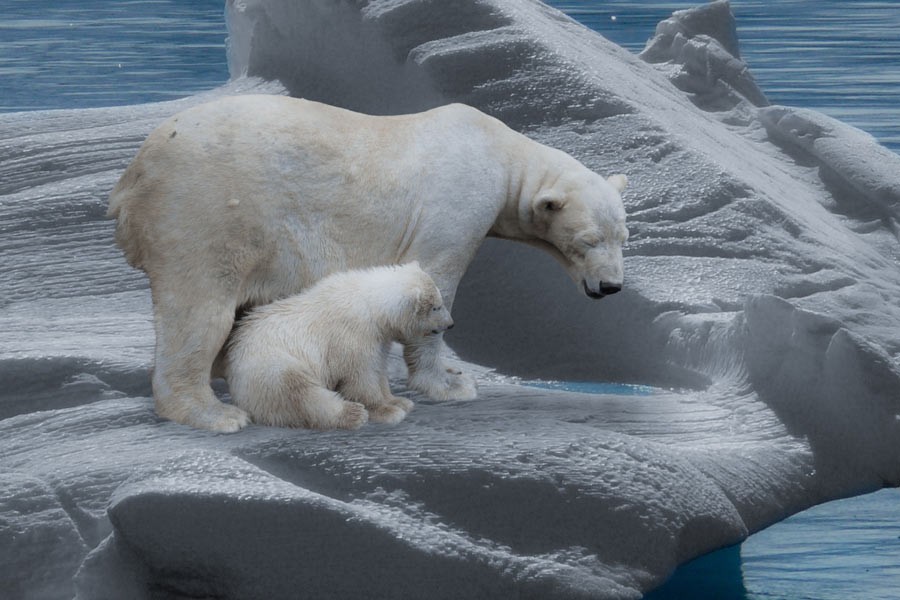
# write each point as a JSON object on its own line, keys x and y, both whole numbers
{"x": 128, "y": 237}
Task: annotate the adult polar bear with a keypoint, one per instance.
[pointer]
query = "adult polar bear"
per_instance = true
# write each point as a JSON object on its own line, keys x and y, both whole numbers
{"x": 248, "y": 199}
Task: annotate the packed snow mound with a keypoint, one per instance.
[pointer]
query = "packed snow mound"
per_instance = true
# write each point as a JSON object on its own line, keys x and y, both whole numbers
{"x": 699, "y": 50}
{"x": 713, "y": 20}
{"x": 617, "y": 489}
{"x": 761, "y": 286}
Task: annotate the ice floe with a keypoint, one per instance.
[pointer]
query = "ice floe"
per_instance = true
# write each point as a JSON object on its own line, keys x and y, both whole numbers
{"x": 761, "y": 285}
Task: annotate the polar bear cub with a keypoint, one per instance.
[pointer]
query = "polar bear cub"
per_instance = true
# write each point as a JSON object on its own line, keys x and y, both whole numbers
{"x": 318, "y": 359}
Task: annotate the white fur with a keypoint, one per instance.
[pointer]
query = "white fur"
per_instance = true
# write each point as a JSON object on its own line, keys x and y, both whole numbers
{"x": 249, "y": 199}
{"x": 319, "y": 359}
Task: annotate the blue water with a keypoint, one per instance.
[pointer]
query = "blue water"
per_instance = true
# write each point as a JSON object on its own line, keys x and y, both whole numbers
{"x": 843, "y": 550}
{"x": 840, "y": 57}
{"x": 83, "y": 53}
{"x": 587, "y": 387}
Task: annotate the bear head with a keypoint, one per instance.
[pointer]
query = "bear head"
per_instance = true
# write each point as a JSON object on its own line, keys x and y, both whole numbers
{"x": 580, "y": 220}
{"x": 423, "y": 310}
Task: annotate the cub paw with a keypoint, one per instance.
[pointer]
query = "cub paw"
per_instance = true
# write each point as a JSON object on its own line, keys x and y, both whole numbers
{"x": 386, "y": 413}
{"x": 353, "y": 416}
{"x": 403, "y": 404}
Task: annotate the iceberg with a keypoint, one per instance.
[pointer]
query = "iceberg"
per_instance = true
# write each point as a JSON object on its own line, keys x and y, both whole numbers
{"x": 759, "y": 311}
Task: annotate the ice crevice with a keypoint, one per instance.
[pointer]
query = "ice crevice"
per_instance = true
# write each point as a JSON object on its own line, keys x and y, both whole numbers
{"x": 760, "y": 298}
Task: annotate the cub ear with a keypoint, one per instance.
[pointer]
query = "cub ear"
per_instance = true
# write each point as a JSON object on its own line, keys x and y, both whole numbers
{"x": 618, "y": 181}
{"x": 424, "y": 300}
{"x": 412, "y": 300}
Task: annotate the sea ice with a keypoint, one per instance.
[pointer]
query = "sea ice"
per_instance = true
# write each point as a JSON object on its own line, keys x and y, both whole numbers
{"x": 761, "y": 286}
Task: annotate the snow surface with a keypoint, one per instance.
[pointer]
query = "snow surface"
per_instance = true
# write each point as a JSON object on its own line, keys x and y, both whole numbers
{"x": 761, "y": 284}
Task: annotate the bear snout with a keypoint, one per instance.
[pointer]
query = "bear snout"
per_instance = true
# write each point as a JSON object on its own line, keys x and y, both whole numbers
{"x": 609, "y": 288}
{"x": 603, "y": 289}
{"x": 442, "y": 329}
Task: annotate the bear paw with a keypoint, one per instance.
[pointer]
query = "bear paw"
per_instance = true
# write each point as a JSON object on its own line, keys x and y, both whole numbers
{"x": 353, "y": 416}
{"x": 445, "y": 384}
{"x": 211, "y": 415}
{"x": 386, "y": 413}
{"x": 404, "y": 404}
{"x": 230, "y": 419}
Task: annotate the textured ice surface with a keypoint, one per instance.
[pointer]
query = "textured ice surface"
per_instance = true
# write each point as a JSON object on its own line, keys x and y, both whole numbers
{"x": 761, "y": 285}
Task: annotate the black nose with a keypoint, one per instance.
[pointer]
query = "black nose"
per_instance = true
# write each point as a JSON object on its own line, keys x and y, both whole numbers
{"x": 607, "y": 288}
{"x": 450, "y": 326}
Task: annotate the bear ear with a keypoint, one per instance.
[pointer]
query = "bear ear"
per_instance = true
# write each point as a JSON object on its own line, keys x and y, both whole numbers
{"x": 546, "y": 203}
{"x": 420, "y": 300}
{"x": 543, "y": 209}
{"x": 618, "y": 181}
{"x": 411, "y": 300}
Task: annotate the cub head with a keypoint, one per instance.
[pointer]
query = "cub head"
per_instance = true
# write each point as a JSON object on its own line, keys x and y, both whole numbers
{"x": 580, "y": 220}
{"x": 424, "y": 312}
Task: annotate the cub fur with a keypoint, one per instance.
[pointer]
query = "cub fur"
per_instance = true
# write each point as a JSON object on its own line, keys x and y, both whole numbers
{"x": 318, "y": 359}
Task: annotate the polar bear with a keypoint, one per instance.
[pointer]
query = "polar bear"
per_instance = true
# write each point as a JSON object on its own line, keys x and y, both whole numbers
{"x": 318, "y": 359}
{"x": 248, "y": 199}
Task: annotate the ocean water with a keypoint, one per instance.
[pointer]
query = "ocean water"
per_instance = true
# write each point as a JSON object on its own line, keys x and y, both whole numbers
{"x": 587, "y": 387}
{"x": 842, "y": 58}
{"x": 80, "y": 54}
{"x": 843, "y": 550}
{"x": 824, "y": 55}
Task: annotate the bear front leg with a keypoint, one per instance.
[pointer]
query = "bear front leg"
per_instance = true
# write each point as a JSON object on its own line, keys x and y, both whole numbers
{"x": 431, "y": 375}
{"x": 388, "y": 398}
{"x": 188, "y": 339}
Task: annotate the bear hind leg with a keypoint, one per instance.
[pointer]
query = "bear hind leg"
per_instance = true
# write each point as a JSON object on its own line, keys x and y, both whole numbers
{"x": 188, "y": 339}
{"x": 298, "y": 402}
{"x": 370, "y": 388}
{"x": 328, "y": 410}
